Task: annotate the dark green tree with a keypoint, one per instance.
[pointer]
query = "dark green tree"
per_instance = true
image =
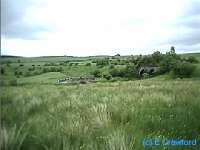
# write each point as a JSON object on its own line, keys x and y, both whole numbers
{"x": 97, "y": 73}
{"x": 183, "y": 70}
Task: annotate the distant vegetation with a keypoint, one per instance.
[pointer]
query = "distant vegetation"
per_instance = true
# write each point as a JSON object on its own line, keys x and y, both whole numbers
{"x": 166, "y": 63}
{"x": 109, "y": 68}
{"x": 132, "y": 98}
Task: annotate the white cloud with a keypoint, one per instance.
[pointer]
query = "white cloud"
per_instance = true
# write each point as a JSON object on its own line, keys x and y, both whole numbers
{"x": 92, "y": 27}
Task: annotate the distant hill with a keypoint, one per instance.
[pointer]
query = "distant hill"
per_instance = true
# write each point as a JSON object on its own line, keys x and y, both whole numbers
{"x": 10, "y": 56}
{"x": 196, "y": 55}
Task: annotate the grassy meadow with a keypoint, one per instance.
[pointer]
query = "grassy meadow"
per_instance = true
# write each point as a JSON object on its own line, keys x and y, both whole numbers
{"x": 39, "y": 114}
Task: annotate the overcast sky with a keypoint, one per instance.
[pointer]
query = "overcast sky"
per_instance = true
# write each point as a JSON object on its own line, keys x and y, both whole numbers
{"x": 98, "y": 27}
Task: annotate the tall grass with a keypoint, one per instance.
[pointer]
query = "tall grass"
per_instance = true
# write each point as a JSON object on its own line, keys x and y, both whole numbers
{"x": 13, "y": 138}
{"x": 110, "y": 116}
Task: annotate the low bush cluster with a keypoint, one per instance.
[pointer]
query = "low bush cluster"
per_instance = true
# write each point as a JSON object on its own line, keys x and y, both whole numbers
{"x": 52, "y": 69}
{"x": 183, "y": 70}
{"x": 32, "y": 72}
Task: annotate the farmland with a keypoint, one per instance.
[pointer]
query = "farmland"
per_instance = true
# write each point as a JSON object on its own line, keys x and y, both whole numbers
{"x": 111, "y": 114}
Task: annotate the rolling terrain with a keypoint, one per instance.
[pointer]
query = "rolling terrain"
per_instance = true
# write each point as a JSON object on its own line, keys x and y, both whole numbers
{"x": 117, "y": 114}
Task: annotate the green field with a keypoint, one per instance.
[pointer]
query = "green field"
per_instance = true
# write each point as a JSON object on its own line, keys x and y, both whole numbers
{"x": 38, "y": 114}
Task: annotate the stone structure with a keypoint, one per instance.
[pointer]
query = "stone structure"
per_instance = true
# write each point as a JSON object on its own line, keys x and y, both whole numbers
{"x": 76, "y": 80}
{"x": 148, "y": 70}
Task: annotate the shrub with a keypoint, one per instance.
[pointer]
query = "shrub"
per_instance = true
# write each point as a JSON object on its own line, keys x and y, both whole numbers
{"x": 36, "y": 73}
{"x": 107, "y": 76}
{"x": 13, "y": 82}
{"x": 52, "y": 69}
{"x": 16, "y": 73}
{"x": 93, "y": 61}
{"x": 167, "y": 65}
{"x": 21, "y": 65}
{"x": 44, "y": 70}
{"x": 50, "y": 64}
{"x": 130, "y": 71}
{"x": 114, "y": 72}
{"x": 60, "y": 69}
{"x": 83, "y": 82}
{"x": 157, "y": 57}
{"x": 27, "y": 74}
{"x": 88, "y": 64}
{"x": 8, "y": 64}
{"x": 118, "y": 72}
{"x": 192, "y": 59}
{"x": 31, "y": 69}
{"x": 183, "y": 70}
{"x": 97, "y": 73}
{"x": 67, "y": 61}
{"x": 102, "y": 62}
{"x": 2, "y": 70}
{"x": 111, "y": 67}
{"x": 115, "y": 63}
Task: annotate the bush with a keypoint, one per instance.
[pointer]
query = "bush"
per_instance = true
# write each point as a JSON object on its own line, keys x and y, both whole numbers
{"x": 8, "y": 64}
{"x": 52, "y": 69}
{"x": 192, "y": 59}
{"x": 111, "y": 67}
{"x": 114, "y": 72}
{"x": 102, "y": 62}
{"x": 83, "y": 82}
{"x": 45, "y": 70}
{"x": 16, "y": 73}
{"x": 167, "y": 65}
{"x": 31, "y": 69}
{"x": 107, "y": 76}
{"x": 97, "y": 73}
{"x": 94, "y": 61}
{"x": 21, "y": 65}
{"x": 13, "y": 82}
{"x": 50, "y": 64}
{"x": 130, "y": 71}
{"x": 118, "y": 72}
{"x": 88, "y": 64}
{"x": 2, "y": 70}
{"x": 27, "y": 74}
{"x": 61, "y": 69}
{"x": 36, "y": 73}
{"x": 183, "y": 70}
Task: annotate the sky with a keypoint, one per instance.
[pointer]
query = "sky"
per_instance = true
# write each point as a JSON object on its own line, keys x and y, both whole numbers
{"x": 98, "y": 27}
